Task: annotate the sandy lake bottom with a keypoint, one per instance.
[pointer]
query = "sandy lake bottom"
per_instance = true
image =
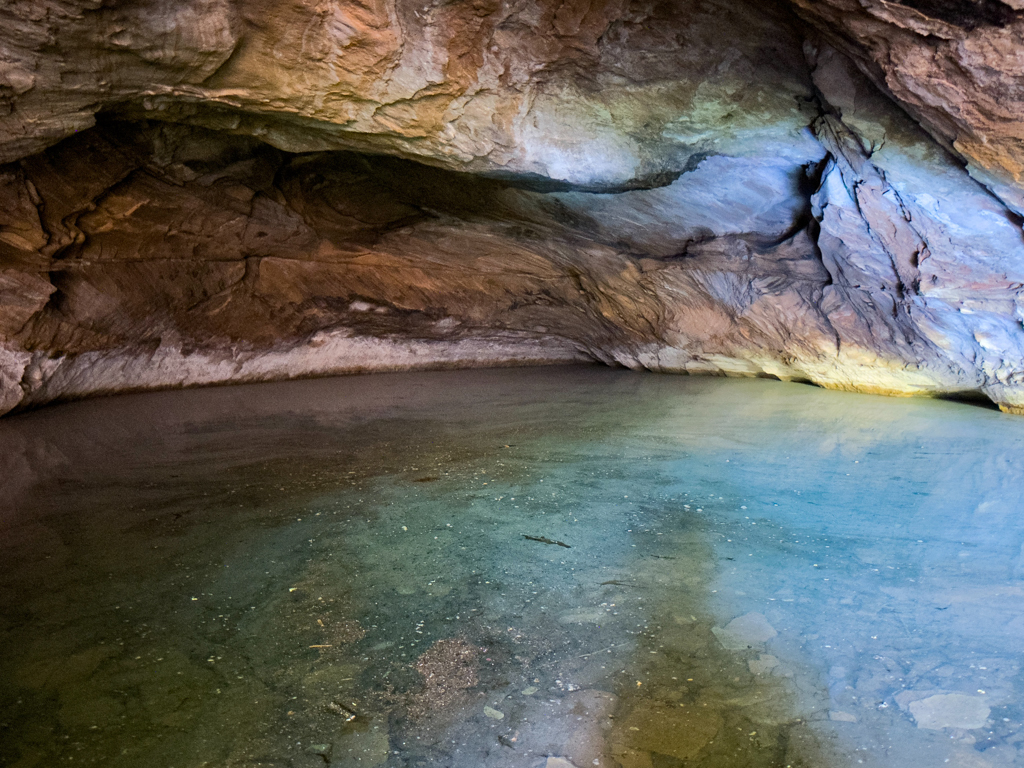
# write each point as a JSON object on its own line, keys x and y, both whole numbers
{"x": 533, "y": 568}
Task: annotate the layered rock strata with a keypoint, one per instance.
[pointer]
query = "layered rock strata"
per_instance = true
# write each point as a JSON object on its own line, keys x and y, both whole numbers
{"x": 954, "y": 65}
{"x": 280, "y": 189}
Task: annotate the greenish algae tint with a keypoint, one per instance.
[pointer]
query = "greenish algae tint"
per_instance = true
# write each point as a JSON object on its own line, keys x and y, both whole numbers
{"x": 551, "y": 567}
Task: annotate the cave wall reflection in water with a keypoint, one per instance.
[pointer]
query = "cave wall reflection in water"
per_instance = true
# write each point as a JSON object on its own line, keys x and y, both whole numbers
{"x": 338, "y": 572}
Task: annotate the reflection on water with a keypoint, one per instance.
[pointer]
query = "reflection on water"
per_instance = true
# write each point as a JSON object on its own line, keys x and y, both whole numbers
{"x": 554, "y": 567}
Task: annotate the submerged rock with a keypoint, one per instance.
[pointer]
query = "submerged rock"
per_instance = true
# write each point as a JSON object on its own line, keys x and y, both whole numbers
{"x": 950, "y": 710}
{"x": 747, "y": 631}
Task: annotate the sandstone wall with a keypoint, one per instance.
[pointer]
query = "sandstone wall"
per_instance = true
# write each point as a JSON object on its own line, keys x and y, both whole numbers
{"x": 214, "y": 191}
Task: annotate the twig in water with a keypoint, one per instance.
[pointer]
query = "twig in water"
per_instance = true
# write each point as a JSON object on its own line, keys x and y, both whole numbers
{"x": 546, "y": 540}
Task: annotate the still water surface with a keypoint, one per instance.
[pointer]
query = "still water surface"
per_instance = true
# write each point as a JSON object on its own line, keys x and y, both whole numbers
{"x": 549, "y": 567}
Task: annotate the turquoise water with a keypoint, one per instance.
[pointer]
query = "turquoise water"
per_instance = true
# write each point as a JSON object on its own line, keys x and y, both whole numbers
{"x": 338, "y": 572}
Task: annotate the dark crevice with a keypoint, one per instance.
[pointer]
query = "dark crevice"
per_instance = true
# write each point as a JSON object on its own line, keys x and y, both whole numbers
{"x": 814, "y": 174}
{"x": 532, "y": 182}
{"x": 965, "y": 14}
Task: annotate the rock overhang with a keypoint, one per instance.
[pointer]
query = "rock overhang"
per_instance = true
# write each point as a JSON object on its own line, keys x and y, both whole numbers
{"x": 701, "y": 187}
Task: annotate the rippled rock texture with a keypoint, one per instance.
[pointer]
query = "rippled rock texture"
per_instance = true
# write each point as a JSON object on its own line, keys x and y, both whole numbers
{"x": 214, "y": 191}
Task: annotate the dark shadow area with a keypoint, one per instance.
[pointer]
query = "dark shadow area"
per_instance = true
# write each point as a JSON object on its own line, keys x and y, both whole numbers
{"x": 976, "y": 399}
{"x": 966, "y": 14}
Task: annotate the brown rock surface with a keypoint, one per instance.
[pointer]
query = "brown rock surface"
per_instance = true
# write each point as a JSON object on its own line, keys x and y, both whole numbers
{"x": 583, "y": 91}
{"x": 689, "y": 186}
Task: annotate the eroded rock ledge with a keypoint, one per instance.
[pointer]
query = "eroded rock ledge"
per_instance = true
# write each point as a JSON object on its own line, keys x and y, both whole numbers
{"x": 213, "y": 191}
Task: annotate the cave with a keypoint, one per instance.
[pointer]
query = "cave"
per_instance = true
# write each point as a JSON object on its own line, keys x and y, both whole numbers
{"x": 690, "y": 349}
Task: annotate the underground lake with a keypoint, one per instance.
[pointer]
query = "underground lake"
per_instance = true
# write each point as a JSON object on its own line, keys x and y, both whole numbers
{"x": 558, "y": 566}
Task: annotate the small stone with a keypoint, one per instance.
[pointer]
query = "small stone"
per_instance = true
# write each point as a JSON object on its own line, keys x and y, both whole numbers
{"x": 530, "y": 690}
{"x": 494, "y": 714}
{"x": 342, "y": 711}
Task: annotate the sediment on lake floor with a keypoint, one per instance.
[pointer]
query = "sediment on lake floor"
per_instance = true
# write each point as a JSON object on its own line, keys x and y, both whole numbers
{"x": 358, "y": 572}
